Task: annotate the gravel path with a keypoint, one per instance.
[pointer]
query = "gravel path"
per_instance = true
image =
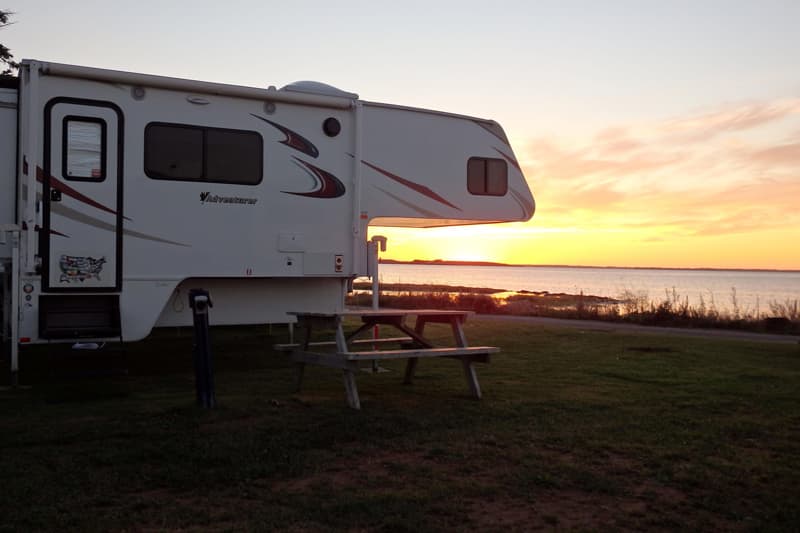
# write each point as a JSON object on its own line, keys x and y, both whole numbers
{"x": 595, "y": 325}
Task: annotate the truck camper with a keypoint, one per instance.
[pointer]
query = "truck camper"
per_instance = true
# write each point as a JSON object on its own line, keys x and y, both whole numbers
{"x": 119, "y": 192}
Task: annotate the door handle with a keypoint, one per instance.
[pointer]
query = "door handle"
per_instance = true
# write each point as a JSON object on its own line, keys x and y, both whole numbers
{"x": 55, "y": 195}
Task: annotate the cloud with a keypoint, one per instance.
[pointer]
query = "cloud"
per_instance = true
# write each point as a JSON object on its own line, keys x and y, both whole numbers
{"x": 783, "y": 155}
{"x": 731, "y": 170}
{"x": 731, "y": 118}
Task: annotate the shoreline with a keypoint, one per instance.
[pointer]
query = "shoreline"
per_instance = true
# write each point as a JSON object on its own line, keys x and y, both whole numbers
{"x": 553, "y": 298}
{"x": 782, "y": 319}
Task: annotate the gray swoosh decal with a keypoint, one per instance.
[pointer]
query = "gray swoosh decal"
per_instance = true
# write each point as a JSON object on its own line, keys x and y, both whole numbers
{"x": 527, "y": 208}
{"x": 429, "y": 214}
{"x": 77, "y": 216}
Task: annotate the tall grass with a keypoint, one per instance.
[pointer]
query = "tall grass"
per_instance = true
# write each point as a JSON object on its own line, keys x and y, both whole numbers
{"x": 673, "y": 309}
{"x": 466, "y": 301}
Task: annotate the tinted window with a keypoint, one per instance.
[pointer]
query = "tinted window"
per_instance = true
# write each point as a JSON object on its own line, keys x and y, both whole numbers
{"x": 173, "y": 152}
{"x": 233, "y": 156}
{"x": 179, "y": 152}
{"x": 487, "y": 176}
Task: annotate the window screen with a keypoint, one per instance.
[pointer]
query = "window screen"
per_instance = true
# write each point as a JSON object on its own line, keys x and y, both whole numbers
{"x": 84, "y": 149}
{"x": 487, "y": 176}
{"x": 193, "y": 153}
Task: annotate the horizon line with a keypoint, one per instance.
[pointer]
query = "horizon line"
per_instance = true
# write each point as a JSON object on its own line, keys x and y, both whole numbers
{"x": 454, "y": 262}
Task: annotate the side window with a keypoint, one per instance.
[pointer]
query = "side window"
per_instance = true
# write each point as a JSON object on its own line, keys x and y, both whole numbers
{"x": 233, "y": 156}
{"x": 487, "y": 176}
{"x": 173, "y": 152}
{"x": 194, "y": 153}
{"x": 84, "y": 149}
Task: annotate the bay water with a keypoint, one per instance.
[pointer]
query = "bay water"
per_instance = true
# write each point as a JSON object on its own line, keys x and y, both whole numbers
{"x": 748, "y": 291}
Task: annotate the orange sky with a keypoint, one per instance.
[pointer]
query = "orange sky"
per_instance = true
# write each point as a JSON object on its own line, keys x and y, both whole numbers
{"x": 652, "y": 133}
{"x": 715, "y": 188}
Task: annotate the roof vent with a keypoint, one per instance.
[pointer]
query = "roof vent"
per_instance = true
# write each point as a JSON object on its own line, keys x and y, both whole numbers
{"x": 315, "y": 87}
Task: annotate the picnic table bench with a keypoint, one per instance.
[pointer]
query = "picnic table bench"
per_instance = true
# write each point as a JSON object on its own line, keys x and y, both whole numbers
{"x": 343, "y": 353}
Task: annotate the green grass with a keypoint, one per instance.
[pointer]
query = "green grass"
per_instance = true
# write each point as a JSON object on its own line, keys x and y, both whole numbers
{"x": 577, "y": 430}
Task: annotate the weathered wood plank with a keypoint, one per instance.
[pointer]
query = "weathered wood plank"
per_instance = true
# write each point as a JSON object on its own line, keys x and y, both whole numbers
{"x": 472, "y": 378}
{"x": 291, "y": 346}
{"x": 330, "y": 360}
{"x": 419, "y": 352}
{"x": 351, "y": 389}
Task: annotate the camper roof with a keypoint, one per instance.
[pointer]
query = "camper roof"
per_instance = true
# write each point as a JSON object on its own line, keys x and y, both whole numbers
{"x": 338, "y": 101}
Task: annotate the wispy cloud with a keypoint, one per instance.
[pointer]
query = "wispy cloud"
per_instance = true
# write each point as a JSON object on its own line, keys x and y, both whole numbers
{"x": 787, "y": 155}
{"x": 724, "y": 171}
{"x": 730, "y": 118}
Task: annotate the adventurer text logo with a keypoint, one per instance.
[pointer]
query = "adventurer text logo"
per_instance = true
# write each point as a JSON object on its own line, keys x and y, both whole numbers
{"x": 208, "y": 198}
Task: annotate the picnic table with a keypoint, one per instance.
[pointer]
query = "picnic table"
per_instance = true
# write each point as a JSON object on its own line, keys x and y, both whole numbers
{"x": 343, "y": 350}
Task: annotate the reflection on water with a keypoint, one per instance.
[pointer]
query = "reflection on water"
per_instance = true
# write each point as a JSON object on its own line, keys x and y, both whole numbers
{"x": 750, "y": 291}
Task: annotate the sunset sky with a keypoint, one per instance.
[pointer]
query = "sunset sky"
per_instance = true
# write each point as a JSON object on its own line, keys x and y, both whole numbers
{"x": 652, "y": 133}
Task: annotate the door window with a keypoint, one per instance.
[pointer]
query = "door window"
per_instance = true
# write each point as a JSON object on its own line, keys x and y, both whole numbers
{"x": 84, "y": 150}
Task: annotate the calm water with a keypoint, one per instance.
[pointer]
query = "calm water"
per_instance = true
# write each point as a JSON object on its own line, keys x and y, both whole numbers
{"x": 754, "y": 290}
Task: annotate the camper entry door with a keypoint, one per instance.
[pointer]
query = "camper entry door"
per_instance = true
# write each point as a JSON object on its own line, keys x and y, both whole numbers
{"x": 81, "y": 237}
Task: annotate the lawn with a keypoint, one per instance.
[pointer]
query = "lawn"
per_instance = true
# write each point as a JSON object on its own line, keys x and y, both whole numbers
{"x": 576, "y": 430}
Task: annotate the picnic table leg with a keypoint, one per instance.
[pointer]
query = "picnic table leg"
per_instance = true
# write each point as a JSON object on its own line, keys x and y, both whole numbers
{"x": 341, "y": 340}
{"x": 472, "y": 377}
{"x": 351, "y": 389}
{"x": 411, "y": 366}
{"x": 458, "y": 333}
{"x": 457, "y": 327}
{"x": 469, "y": 369}
{"x": 300, "y": 368}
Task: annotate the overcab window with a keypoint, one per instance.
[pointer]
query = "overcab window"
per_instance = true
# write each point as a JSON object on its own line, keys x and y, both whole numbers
{"x": 84, "y": 149}
{"x": 487, "y": 176}
{"x": 194, "y": 153}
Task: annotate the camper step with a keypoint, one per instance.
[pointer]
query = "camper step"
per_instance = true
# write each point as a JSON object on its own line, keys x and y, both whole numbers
{"x": 68, "y": 316}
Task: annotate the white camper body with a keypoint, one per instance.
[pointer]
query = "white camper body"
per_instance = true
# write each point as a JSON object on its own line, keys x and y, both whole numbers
{"x": 119, "y": 192}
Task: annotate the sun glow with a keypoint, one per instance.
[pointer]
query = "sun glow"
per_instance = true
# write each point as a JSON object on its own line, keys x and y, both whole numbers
{"x": 713, "y": 188}
{"x": 696, "y": 163}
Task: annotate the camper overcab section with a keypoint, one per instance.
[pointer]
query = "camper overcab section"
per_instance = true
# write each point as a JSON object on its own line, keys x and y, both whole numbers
{"x": 119, "y": 192}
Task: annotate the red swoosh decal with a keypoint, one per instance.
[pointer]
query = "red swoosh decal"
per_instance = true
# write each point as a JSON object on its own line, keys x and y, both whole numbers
{"x": 509, "y": 159}
{"x": 52, "y": 231}
{"x": 69, "y": 191}
{"x": 329, "y": 185}
{"x": 293, "y": 139}
{"x": 422, "y": 189}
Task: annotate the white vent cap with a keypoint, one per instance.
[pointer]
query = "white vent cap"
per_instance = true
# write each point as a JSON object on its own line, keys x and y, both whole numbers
{"x": 316, "y": 87}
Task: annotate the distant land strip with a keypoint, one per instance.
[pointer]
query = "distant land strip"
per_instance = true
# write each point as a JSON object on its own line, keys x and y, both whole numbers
{"x": 447, "y": 262}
